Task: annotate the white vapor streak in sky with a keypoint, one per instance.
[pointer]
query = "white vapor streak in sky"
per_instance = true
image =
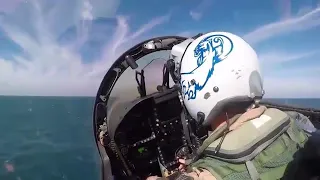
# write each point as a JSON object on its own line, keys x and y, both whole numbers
{"x": 49, "y": 68}
{"x": 286, "y": 87}
{"x": 197, "y": 13}
{"x": 298, "y": 23}
{"x": 275, "y": 58}
{"x": 293, "y": 84}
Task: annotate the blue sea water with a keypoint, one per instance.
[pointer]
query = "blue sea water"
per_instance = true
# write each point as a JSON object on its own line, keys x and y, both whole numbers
{"x": 298, "y": 102}
{"x": 51, "y": 138}
{"x": 47, "y": 138}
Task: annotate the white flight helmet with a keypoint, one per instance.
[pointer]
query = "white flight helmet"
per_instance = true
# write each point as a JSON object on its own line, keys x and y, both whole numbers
{"x": 216, "y": 69}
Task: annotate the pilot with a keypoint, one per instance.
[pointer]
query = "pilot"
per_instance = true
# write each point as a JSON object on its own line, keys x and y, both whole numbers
{"x": 221, "y": 86}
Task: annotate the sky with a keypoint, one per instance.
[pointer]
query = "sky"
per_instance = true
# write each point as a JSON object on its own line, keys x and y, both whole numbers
{"x": 64, "y": 48}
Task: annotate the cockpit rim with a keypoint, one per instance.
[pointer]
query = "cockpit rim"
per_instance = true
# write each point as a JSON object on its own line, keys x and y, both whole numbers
{"x": 136, "y": 52}
{"x": 106, "y": 86}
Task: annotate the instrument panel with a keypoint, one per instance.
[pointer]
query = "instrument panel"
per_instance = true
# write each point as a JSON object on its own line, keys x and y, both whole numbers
{"x": 150, "y": 133}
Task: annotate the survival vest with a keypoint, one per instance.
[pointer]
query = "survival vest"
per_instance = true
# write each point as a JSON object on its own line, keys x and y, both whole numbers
{"x": 260, "y": 149}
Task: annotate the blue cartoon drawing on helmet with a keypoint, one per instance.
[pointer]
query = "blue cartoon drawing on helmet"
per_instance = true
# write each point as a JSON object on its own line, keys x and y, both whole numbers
{"x": 214, "y": 48}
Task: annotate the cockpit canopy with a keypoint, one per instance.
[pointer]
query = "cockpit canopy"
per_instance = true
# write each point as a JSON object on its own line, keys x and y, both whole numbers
{"x": 142, "y": 64}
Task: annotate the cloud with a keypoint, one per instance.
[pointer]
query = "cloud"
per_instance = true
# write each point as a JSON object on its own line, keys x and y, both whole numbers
{"x": 271, "y": 59}
{"x": 285, "y": 8}
{"x": 286, "y": 87}
{"x": 46, "y": 66}
{"x": 282, "y": 80}
{"x": 122, "y": 41}
{"x": 292, "y": 24}
{"x": 197, "y": 13}
{"x": 304, "y": 10}
{"x": 284, "y": 76}
{"x": 7, "y": 6}
{"x": 187, "y": 34}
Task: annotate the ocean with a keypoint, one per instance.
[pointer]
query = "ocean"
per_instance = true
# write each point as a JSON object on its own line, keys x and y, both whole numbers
{"x": 51, "y": 138}
{"x": 47, "y": 138}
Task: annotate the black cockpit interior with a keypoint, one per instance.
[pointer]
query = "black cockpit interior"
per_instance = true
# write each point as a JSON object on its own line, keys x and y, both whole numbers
{"x": 141, "y": 137}
{"x": 148, "y": 136}
{"x": 149, "y": 132}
